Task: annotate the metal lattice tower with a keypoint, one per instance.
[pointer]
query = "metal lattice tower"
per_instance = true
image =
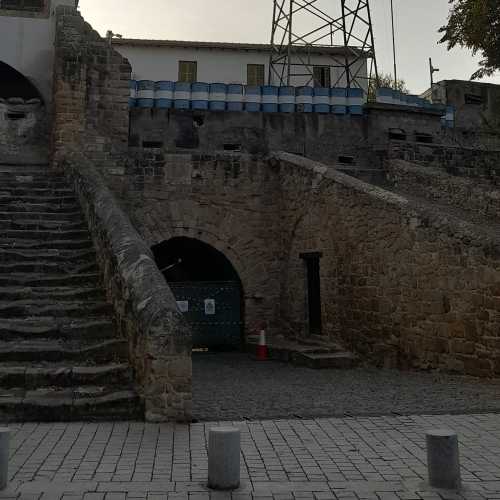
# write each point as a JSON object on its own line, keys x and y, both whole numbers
{"x": 342, "y": 29}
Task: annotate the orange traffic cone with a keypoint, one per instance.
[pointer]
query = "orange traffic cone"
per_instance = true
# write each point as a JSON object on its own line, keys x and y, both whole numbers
{"x": 262, "y": 347}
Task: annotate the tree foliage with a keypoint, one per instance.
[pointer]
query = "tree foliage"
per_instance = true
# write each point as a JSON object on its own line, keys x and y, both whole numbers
{"x": 386, "y": 81}
{"x": 475, "y": 24}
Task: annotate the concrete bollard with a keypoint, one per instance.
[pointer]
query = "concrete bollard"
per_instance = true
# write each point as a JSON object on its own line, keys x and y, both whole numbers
{"x": 4, "y": 456}
{"x": 443, "y": 461}
{"x": 224, "y": 458}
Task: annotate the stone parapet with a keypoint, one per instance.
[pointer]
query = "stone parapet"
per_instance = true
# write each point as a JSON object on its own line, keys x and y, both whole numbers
{"x": 146, "y": 311}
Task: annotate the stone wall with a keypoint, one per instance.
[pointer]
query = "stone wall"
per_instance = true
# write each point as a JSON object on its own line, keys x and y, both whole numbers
{"x": 90, "y": 93}
{"x": 23, "y": 132}
{"x": 476, "y": 196}
{"x": 146, "y": 311}
{"x": 401, "y": 284}
{"x": 333, "y": 139}
{"x": 229, "y": 201}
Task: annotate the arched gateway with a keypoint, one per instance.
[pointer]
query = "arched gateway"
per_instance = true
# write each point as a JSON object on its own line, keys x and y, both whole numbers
{"x": 208, "y": 291}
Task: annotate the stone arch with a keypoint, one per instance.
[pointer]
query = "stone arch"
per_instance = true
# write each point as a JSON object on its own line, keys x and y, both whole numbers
{"x": 200, "y": 274}
{"x": 14, "y": 84}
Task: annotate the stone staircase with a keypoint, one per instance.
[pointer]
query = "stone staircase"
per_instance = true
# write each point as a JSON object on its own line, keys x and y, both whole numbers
{"x": 61, "y": 358}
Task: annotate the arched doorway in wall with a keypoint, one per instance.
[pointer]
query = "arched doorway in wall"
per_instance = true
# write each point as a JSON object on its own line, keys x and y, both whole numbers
{"x": 208, "y": 291}
{"x": 14, "y": 84}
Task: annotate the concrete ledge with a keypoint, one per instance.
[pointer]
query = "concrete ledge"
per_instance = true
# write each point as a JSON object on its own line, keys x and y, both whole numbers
{"x": 159, "y": 338}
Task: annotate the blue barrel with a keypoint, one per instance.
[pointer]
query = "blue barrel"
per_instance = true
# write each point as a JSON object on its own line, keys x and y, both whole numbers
{"x": 304, "y": 99}
{"x": 338, "y": 100}
{"x": 217, "y": 97}
{"x": 385, "y": 95}
{"x": 145, "y": 93}
{"x": 355, "y": 101}
{"x": 164, "y": 94}
{"x": 132, "y": 101}
{"x": 286, "y": 99}
{"x": 199, "y": 95}
{"x": 321, "y": 100}
{"x": 234, "y": 97}
{"x": 182, "y": 95}
{"x": 450, "y": 116}
{"x": 253, "y": 98}
{"x": 270, "y": 95}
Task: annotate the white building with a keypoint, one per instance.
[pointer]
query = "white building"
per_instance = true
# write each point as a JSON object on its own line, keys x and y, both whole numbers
{"x": 27, "y": 33}
{"x": 217, "y": 62}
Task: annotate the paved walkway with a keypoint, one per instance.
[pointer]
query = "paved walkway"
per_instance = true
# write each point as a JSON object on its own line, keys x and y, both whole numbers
{"x": 235, "y": 387}
{"x": 350, "y": 458}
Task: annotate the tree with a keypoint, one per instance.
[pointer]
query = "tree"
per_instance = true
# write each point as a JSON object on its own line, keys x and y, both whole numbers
{"x": 475, "y": 24}
{"x": 386, "y": 81}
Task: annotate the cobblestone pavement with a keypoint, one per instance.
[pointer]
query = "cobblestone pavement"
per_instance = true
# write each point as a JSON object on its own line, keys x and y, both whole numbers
{"x": 364, "y": 458}
{"x": 236, "y": 387}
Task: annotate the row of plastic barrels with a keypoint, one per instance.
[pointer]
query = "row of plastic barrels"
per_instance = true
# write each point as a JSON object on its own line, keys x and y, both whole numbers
{"x": 391, "y": 96}
{"x": 236, "y": 97}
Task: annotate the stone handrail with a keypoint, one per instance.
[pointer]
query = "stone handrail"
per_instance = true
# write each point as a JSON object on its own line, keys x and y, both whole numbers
{"x": 146, "y": 311}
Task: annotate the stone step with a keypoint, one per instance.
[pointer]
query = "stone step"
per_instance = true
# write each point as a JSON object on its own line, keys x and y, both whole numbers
{"x": 88, "y": 329}
{"x": 54, "y": 268}
{"x": 37, "y": 167}
{"x": 325, "y": 360}
{"x": 38, "y": 375}
{"x": 76, "y": 216}
{"x": 11, "y": 181}
{"x": 19, "y": 244}
{"x": 46, "y": 192}
{"x": 30, "y": 198}
{"x": 53, "y": 351}
{"x": 36, "y": 225}
{"x": 51, "y": 235}
{"x": 64, "y": 405}
{"x": 36, "y": 308}
{"x": 45, "y": 208}
{"x": 36, "y": 279}
{"x": 62, "y": 293}
{"x": 53, "y": 255}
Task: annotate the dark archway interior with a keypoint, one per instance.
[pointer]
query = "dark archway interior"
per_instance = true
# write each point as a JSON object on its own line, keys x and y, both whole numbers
{"x": 187, "y": 259}
{"x": 15, "y": 84}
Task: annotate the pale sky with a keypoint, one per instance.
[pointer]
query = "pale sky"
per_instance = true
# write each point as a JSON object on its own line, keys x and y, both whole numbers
{"x": 417, "y": 22}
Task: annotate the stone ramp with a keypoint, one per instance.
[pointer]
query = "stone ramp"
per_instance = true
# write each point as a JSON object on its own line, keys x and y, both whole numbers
{"x": 61, "y": 358}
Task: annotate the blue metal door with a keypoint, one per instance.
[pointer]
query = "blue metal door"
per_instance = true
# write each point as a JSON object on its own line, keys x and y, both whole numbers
{"x": 213, "y": 310}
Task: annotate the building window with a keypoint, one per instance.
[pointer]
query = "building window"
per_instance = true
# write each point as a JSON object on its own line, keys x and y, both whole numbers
{"x": 322, "y": 77}
{"x": 26, "y": 5}
{"x": 255, "y": 74}
{"x": 188, "y": 71}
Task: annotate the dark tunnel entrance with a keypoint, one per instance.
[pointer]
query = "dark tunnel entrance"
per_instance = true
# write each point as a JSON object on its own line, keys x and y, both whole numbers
{"x": 15, "y": 84}
{"x": 208, "y": 291}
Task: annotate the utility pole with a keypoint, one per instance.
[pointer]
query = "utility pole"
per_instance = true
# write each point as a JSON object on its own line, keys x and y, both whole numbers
{"x": 394, "y": 47}
{"x": 432, "y": 70}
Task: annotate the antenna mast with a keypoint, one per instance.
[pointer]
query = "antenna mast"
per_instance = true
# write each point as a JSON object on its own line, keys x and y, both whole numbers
{"x": 340, "y": 31}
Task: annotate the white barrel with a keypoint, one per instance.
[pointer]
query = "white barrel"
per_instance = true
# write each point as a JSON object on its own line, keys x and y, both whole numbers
{"x": 164, "y": 94}
{"x": 270, "y": 98}
{"x": 338, "y": 100}
{"x": 235, "y": 97}
{"x": 321, "y": 100}
{"x": 253, "y": 98}
{"x": 286, "y": 99}
{"x": 199, "y": 95}
{"x": 304, "y": 99}
{"x": 355, "y": 101}
{"x": 217, "y": 97}
{"x": 182, "y": 95}
{"x": 145, "y": 93}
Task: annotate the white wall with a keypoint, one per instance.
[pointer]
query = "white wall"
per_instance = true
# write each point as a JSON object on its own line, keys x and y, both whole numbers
{"x": 214, "y": 65}
{"x": 27, "y": 44}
